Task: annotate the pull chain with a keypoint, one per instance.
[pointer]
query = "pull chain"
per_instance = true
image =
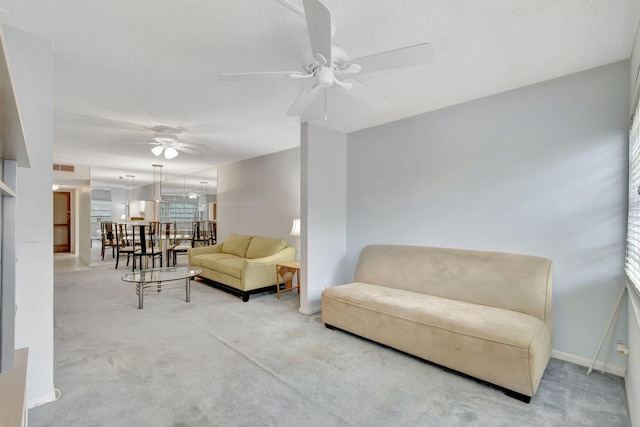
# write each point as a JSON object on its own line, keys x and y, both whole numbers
{"x": 325, "y": 105}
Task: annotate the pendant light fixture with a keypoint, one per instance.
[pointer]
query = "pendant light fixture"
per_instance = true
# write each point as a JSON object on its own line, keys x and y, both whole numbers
{"x": 203, "y": 199}
{"x": 129, "y": 193}
{"x": 157, "y": 182}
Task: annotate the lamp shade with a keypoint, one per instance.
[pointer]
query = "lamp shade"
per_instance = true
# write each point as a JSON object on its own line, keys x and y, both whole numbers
{"x": 295, "y": 229}
{"x": 170, "y": 153}
{"x": 157, "y": 150}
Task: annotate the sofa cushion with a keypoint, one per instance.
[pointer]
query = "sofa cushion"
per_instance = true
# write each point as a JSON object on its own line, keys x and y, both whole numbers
{"x": 262, "y": 247}
{"x": 236, "y": 245}
{"x": 502, "y": 280}
{"x": 208, "y": 260}
{"x": 494, "y": 325}
{"x": 230, "y": 266}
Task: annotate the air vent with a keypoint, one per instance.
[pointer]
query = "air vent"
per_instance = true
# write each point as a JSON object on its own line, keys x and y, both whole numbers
{"x": 64, "y": 168}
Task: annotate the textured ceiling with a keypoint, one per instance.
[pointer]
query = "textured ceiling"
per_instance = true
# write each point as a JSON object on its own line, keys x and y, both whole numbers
{"x": 123, "y": 67}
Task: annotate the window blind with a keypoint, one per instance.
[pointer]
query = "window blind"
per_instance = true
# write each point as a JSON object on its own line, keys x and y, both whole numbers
{"x": 632, "y": 262}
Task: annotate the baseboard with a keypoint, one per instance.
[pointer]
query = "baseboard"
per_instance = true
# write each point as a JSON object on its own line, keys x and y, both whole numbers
{"x": 34, "y": 401}
{"x": 311, "y": 310}
{"x": 618, "y": 370}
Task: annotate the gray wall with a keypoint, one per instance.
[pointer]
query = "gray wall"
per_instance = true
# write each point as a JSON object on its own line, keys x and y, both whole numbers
{"x": 324, "y": 212}
{"x": 85, "y": 230}
{"x": 540, "y": 170}
{"x": 31, "y": 64}
{"x": 260, "y": 196}
{"x": 632, "y": 378}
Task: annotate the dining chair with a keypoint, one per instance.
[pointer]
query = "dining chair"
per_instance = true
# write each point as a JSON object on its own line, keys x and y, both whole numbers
{"x": 108, "y": 238}
{"x": 168, "y": 239}
{"x": 183, "y": 242}
{"x": 200, "y": 235}
{"x": 147, "y": 244}
{"x": 213, "y": 232}
{"x": 126, "y": 245}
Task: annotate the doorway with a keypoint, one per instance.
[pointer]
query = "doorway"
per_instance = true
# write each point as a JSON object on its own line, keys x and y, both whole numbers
{"x": 61, "y": 221}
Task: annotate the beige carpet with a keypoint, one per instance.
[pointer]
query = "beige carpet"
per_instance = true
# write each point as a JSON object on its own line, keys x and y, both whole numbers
{"x": 217, "y": 361}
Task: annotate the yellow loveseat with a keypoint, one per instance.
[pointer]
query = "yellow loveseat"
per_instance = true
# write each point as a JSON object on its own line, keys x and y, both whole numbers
{"x": 243, "y": 264}
{"x": 486, "y": 314}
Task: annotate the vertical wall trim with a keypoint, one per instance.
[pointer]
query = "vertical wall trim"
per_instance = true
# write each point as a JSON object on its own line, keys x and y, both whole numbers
{"x": 8, "y": 257}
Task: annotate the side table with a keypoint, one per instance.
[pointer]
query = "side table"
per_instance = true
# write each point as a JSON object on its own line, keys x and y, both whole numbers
{"x": 287, "y": 270}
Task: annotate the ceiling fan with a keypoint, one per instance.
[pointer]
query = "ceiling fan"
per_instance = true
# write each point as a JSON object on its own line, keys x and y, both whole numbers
{"x": 167, "y": 143}
{"x": 325, "y": 62}
{"x": 165, "y": 140}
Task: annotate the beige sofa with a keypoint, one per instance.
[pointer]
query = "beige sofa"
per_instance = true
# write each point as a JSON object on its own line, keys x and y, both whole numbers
{"x": 243, "y": 264}
{"x": 485, "y": 314}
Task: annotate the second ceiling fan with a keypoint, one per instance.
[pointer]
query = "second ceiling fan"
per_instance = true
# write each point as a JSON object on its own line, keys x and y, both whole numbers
{"x": 324, "y": 63}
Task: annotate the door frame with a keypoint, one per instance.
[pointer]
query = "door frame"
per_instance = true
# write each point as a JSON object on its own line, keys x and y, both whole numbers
{"x": 68, "y": 224}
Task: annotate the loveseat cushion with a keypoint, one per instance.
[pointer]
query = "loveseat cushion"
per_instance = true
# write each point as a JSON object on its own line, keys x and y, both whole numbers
{"x": 262, "y": 247}
{"x": 208, "y": 261}
{"x": 236, "y": 245}
{"x": 230, "y": 266}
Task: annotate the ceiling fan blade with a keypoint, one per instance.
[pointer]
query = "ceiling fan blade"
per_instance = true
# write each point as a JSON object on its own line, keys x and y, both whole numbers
{"x": 184, "y": 149}
{"x": 405, "y": 57}
{"x": 262, "y": 75}
{"x": 303, "y": 101}
{"x": 293, "y": 7}
{"x": 319, "y": 28}
{"x": 365, "y": 95}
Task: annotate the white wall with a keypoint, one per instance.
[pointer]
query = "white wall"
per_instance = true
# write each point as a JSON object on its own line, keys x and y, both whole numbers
{"x": 31, "y": 64}
{"x": 260, "y": 196}
{"x": 323, "y": 213}
{"x": 83, "y": 214}
{"x": 632, "y": 382}
{"x": 118, "y": 200}
{"x": 541, "y": 170}
{"x": 634, "y": 73}
{"x": 632, "y": 378}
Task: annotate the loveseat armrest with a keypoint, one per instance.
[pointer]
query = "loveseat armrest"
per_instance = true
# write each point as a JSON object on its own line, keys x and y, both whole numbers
{"x": 261, "y": 272}
{"x": 212, "y": 249}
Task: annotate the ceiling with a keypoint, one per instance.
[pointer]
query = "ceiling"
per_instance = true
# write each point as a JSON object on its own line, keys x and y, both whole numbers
{"x": 122, "y": 68}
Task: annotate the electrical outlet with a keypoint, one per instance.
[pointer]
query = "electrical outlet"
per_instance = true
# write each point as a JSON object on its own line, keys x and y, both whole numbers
{"x": 622, "y": 349}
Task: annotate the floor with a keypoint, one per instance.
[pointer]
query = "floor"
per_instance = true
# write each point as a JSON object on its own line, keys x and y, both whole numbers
{"x": 218, "y": 361}
{"x": 66, "y": 262}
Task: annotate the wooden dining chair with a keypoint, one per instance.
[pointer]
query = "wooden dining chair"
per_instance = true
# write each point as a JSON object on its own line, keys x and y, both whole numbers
{"x": 148, "y": 243}
{"x": 183, "y": 242}
{"x": 126, "y": 245}
{"x": 200, "y": 235}
{"x": 213, "y": 232}
{"x": 108, "y": 238}
{"x": 168, "y": 239}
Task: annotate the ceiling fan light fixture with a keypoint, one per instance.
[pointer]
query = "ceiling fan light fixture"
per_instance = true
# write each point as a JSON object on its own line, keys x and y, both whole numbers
{"x": 324, "y": 62}
{"x": 170, "y": 153}
{"x": 157, "y": 150}
{"x": 165, "y": 138}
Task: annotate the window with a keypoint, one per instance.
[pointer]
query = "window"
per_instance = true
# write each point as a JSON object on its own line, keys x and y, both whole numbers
{"x": 632, "y": 262}
{"x": 182, "y": 212}
{"x": 100, "y": 205}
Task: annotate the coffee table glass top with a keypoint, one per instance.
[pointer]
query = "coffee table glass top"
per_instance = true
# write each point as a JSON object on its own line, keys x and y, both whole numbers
{"x": 161, "y": 274}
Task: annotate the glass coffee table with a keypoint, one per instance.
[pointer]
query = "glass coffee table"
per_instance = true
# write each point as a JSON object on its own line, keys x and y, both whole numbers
{"x": 155, "y": 281}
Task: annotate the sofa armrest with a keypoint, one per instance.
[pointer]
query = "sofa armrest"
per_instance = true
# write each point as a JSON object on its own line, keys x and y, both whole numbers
{"x": 260, "y": 272}
{"x": 212, "y": 249}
